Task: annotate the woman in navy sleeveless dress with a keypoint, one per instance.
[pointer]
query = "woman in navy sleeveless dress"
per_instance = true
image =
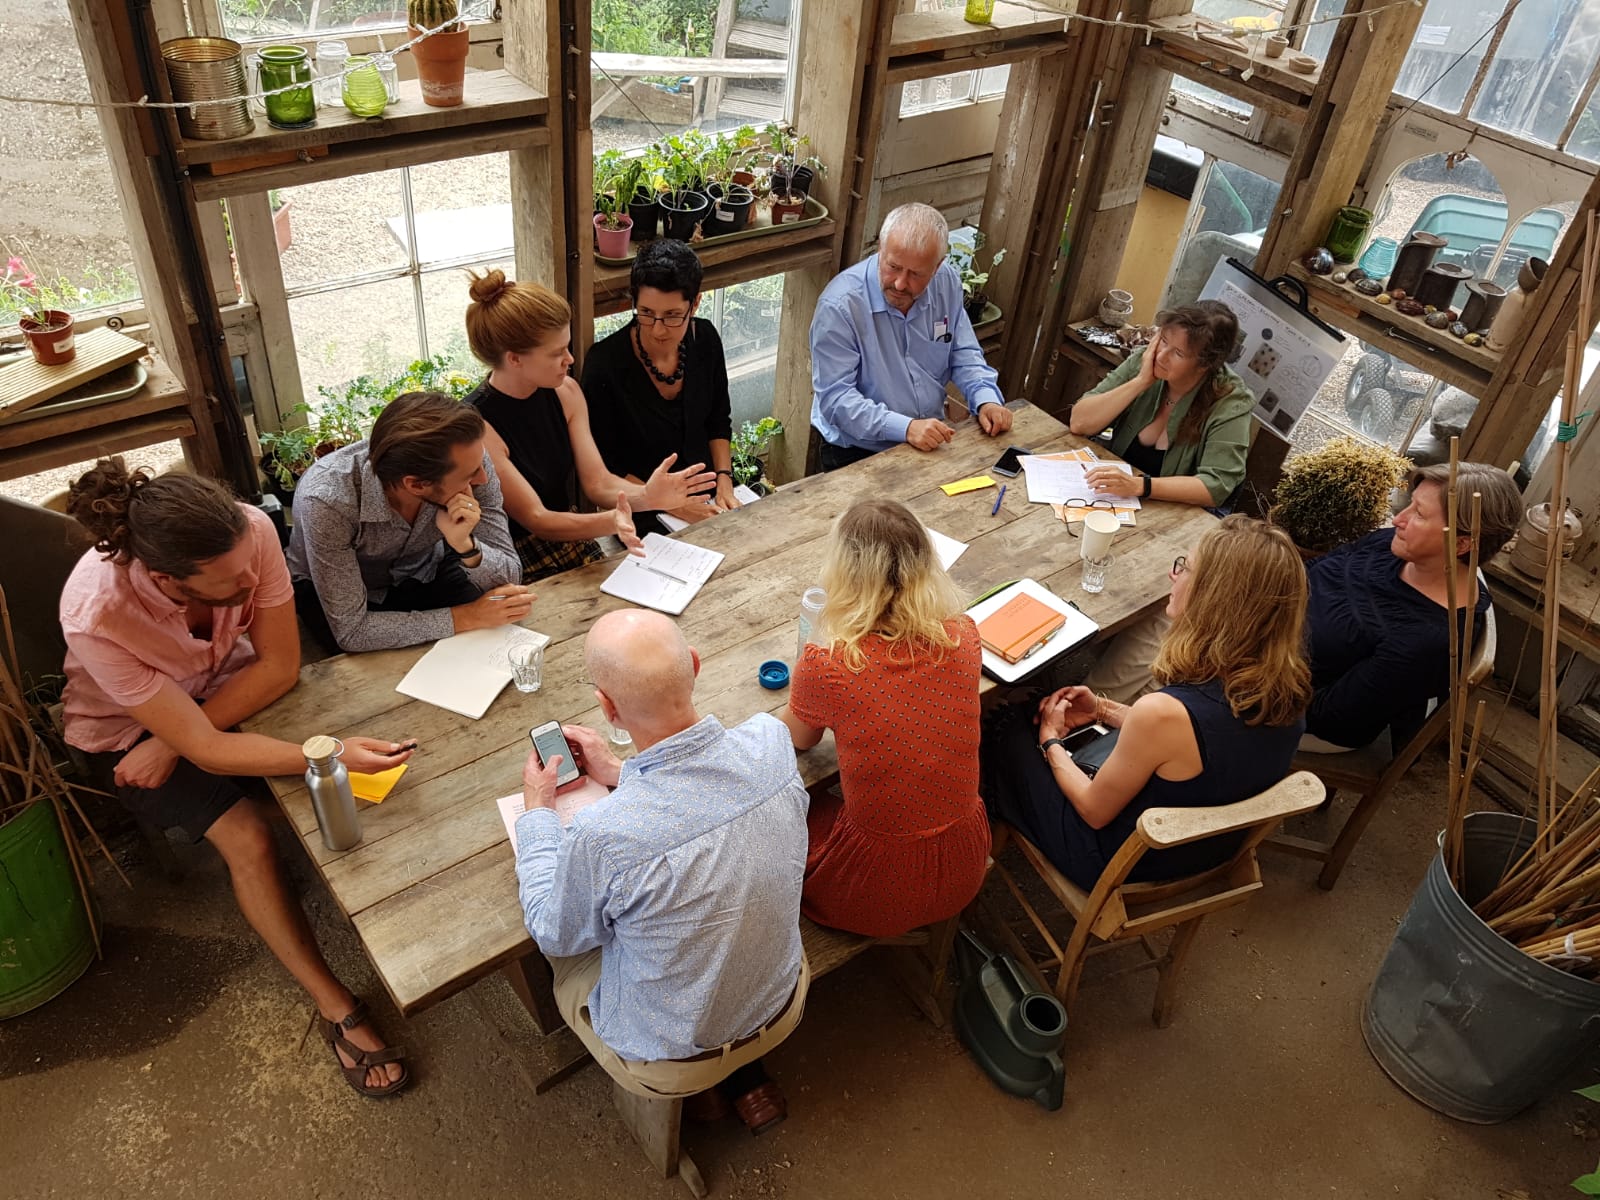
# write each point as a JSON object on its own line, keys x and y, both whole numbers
{"x": 1223, "y": 727}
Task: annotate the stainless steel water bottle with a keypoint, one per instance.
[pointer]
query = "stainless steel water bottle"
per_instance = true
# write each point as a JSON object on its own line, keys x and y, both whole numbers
{"x": 331, "y": 797}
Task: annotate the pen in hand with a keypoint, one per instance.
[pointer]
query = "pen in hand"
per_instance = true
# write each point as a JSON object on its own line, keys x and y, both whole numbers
{"x": 995, "y": 510}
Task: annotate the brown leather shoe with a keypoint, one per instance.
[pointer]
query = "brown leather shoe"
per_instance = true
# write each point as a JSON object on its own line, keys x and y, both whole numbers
{"x": 707, "y": 1107}
{"x": 762, "y": 1107}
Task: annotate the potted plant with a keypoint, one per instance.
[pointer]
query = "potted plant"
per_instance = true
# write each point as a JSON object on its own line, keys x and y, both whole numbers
{"x": 644, "y": 202}
{"x": 345, "y": 415}
{"x": 973, "y": 281}
{"x": 40, "y": 307}
{"x": 1336, "y": 493}
{"x": 441, "y": 58}
{"x": 282, "y": 231}
{"x": 731, "y": 201}
{"x": 614, "y": 184}
{"x": 683, "y": 204}
{"x": 749, "y": 451}
{"x": 791, "y": 176}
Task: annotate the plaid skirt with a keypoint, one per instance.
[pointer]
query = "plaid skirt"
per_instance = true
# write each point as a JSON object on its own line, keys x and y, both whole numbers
{"x": 541, "y": 558}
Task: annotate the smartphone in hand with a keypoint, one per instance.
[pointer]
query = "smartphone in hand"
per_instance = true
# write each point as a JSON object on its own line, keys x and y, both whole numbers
{"x": 548, "y": 742}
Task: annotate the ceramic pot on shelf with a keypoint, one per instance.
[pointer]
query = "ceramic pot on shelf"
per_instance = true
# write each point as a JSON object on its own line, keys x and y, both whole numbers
{"x": 441, "y": 66}
{"x": 1414, "y": 258}
{"x": 52, "y": 341}
{"x": 1509, "y": 319}
{"x": 1483, "y": 303}
{"x": 1439, "y": 285}
{"x": 1116, "y": 310}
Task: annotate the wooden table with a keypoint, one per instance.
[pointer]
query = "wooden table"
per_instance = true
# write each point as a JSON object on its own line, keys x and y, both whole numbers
{"x": 431, "y": 889}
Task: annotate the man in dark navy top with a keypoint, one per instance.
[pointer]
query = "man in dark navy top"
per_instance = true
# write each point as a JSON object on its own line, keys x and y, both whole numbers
{"x": 1379, "y": 640}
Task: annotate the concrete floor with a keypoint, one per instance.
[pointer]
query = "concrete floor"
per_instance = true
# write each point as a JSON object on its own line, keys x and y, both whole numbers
{"x": 174, "y": 1069}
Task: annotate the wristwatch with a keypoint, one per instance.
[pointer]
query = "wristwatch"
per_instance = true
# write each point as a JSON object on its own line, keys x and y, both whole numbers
{"x": 1044, "y": 748}
{"x": 1146, "y": 492}
{"x": 471, "y": 552}
{"x": 729, "y": 474}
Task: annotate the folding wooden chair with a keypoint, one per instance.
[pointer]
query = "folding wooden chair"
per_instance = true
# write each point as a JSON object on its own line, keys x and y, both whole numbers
{"x": 1372, "y": 771}
{"x": 1117, "y": 911}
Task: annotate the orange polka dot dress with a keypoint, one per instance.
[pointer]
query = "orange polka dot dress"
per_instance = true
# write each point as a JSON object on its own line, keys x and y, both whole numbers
{"x": 908, "y": 844}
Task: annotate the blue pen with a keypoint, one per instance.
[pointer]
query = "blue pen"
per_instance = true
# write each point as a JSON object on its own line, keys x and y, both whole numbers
{"x": 997, "y": 500}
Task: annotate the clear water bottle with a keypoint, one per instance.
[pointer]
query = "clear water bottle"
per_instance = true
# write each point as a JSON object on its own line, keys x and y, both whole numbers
{"x": 331, "y": 797}
{"x": 810, "y": 619}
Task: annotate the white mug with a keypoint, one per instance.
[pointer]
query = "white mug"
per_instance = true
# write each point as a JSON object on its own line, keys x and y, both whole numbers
{"x": 1099, "y": 527}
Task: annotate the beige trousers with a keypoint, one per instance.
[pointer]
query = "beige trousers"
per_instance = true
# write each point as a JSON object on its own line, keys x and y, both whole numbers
{"x": 575, "y": 978}
{"x": 1123, "y": 672}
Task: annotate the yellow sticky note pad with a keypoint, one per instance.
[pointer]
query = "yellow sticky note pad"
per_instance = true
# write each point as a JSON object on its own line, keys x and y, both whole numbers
{"x": 375, "y": 788}
{"x": 966, "y": 485}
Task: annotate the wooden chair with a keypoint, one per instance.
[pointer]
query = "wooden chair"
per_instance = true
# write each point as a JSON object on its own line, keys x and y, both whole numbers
{"x": 1117, "y": 911}
{"x": 1372, "y": 771}
{"x": 656, "y": 1124}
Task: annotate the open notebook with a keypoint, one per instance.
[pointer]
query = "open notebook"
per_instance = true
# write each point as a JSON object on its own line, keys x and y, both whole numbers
{"x": 669, "y": 575}
{"x": 466, "y": 672}
{"x": 578, "y": 795}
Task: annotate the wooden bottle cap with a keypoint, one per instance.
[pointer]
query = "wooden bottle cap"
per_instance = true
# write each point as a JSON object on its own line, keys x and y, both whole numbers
{"x": 320, "y": 747}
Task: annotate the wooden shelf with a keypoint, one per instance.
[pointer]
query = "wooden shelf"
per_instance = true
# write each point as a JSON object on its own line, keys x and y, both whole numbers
{"x": 932, "y": 43}
{"x": 500, "y": 112}
{"x": 158, "y": 413}
{"x": 730, "y": 263}
{"x": 1451, "y": 359}
{"x": 1220, "y": 64}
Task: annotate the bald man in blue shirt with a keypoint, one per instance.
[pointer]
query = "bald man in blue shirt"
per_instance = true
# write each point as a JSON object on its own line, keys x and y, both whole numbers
{"x": 887, "y": 336}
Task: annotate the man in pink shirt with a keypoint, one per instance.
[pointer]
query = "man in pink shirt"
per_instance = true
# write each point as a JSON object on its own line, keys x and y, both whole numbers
{"x": 180, "y": 623}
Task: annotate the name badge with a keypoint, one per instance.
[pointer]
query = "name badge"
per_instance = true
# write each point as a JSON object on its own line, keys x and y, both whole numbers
{"x": 941, "y": 330}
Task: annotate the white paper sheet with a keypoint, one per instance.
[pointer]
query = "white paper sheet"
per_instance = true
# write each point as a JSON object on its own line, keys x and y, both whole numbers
{"x": 568, "y": 802}
{"x": 669, "y": 575}
{"x": 1055, "y": 481}
{"x": 466, "y": 672}
{"x": 946, "y": 547}
{"x": 740, "y": 493}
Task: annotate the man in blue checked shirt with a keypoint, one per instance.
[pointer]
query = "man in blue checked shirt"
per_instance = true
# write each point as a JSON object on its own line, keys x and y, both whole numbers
{"x": 887, "y": 336}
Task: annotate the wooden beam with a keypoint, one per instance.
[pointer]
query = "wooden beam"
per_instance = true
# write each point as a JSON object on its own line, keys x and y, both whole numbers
{"x": 844, "y": 44}
{"x": 536, "y": 37}
{"x": 261, "y": 270}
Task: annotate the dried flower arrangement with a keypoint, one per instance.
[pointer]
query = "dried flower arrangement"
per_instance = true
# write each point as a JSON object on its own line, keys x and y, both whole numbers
{"x": 1337, "y": 493}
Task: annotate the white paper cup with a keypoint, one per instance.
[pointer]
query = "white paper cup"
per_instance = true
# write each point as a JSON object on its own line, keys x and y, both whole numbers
{"x": 1099, "y": 527}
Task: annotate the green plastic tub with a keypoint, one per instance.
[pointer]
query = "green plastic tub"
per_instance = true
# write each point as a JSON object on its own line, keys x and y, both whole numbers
{"x": 45, "y": 938}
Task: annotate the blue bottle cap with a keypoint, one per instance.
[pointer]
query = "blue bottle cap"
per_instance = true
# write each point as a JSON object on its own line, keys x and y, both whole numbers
{"x": 774, "y": 674}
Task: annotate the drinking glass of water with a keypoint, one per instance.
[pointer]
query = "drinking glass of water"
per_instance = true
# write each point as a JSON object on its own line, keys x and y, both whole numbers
{"x": 527, "y": 667}
{"x": 1094, "y": 573}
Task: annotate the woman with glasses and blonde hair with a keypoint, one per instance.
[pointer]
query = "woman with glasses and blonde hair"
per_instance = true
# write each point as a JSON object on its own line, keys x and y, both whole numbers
{"x": 539, "y": 435}
{"x": 1179, "y": 418}
{"x": 1223, "y": 727}
{"x": 659, "y": 385}
{"x": 896, "y": 679}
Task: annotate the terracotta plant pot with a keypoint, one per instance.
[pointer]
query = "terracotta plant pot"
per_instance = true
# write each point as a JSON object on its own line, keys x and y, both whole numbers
{"x": 51, "y": 343}
{"x": 441, "y": 66}
{"x": 787, "y": 212}
{"x": 282, "y": 230}
{"x": 613, "y": 243}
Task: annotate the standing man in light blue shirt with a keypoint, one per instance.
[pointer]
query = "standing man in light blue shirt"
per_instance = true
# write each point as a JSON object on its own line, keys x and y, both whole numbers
{"x": 887, "y": 336}
{"x": 670, "y": 909}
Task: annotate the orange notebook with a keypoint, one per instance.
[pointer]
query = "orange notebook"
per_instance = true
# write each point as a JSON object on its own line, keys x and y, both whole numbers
{"x": 1018, "y": 626}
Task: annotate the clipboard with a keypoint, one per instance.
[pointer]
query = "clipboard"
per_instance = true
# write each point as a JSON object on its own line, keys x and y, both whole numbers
{"x": 1074, "y": 632}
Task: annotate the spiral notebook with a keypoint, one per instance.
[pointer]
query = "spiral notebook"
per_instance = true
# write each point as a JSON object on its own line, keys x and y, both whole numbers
{"x": 670, "y": 574}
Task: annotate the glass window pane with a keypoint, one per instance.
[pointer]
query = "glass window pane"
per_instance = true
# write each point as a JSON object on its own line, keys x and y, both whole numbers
{"x": 263, "y": 19}
{"x": 342, "y": 228}
{"x": 1210, "y": 97}
{"x": 941, "y": 91}
{"x": 1539, "y": 68}
{"x": 750, "y": 313}
{"x": 992, "y": 81}
{"x": 1319, "y": 37}
{"x": 444, "y": 307}
{"x": 1242, "y": 14}
{"x": 1585, "y": 139}
{"x": 1445, "y": 54}
{"x": 61, "y": 214}
{"x": 463, "y": 208}
{"x": 1236, "y": 201}
{"x": 369, "y": 329}
{"x": 1464, "y": 204}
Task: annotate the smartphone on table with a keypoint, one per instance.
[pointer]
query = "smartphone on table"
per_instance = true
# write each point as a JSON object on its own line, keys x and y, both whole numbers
{"x": 1009, "y": 463}
{"x": 548, "y": 741}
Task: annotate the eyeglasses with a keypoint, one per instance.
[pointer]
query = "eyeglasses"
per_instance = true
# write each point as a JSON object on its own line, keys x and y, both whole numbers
{"x": 1074, "y": 504}
{"x": 1180, "y": 564}
{"x": 670, "y": 320}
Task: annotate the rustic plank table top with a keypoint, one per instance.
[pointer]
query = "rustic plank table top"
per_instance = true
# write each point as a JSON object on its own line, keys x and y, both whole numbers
{"x": 431, "y": 888}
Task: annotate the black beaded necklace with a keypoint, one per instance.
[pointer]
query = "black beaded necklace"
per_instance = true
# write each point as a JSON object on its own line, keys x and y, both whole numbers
{"x": 649, "y": 364}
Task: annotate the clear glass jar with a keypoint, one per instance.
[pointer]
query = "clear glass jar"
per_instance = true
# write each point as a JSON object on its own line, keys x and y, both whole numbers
{"x": 331, "y": 57}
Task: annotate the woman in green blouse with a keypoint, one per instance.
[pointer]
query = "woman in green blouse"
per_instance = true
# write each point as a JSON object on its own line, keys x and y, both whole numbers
{"x": 1179, "y": 417}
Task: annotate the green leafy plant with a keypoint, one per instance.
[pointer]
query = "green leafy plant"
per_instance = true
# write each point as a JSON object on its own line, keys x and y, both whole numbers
{"x": 33, "y": 293}
{"x": 786, "y": 144}
{"x": 749, "y": 445}
{"x": 965, "y": 261}
{"x": 345, "y": 415}
{"x": 678, "y": 160}
{"x": 616, "y": 178}
{"x": 432, "y": 14}
{"x": 1337, "y": 492}
{"x": 1589, "y": 1184}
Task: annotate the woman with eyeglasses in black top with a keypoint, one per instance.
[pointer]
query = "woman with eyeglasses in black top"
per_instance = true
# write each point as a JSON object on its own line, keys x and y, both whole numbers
{"x": 659, "y": 385}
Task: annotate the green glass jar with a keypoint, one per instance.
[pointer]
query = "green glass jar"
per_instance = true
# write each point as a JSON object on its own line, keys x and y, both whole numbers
{"x": 364, "y": 92}
{"x": 1348, "y": 233}
{"x": 283, "y": 66}
{"x": 979, "y": 12}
